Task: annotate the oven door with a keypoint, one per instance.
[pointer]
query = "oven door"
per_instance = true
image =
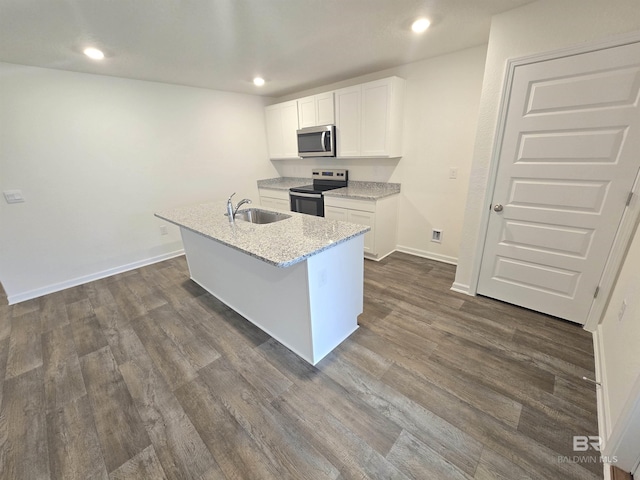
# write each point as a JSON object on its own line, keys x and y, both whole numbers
{"x": 309, "y": 203}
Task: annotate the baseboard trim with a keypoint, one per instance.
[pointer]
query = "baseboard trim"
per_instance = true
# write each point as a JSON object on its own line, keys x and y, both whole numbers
{"x": 603, "y": 423}
{"x": 462, "y": 288}
{"x": 74, "y": 282}
{"x": 604, "y": 427}
{"x": 429, "y": 255}
{"x": 377, "y": 259}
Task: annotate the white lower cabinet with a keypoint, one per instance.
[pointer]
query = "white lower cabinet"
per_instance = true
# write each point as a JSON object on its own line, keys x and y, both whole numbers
{"x": 276, "y": 199}
{"x": 355, "y": 216}
{"x": 381, "y": 215}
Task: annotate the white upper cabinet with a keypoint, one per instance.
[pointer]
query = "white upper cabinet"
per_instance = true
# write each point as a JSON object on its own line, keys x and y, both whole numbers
{"x": 316, "y": 110}
{"x": 282, "y": 123}
{"x": 325, "y": 111}
{"x": 348, "y": 119}
{"x": 306, "y": 112}
{"x": 369, "y": 119}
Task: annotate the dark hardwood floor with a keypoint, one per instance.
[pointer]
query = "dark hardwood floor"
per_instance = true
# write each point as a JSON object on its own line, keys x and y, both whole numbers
{"x": 145, "y": 375}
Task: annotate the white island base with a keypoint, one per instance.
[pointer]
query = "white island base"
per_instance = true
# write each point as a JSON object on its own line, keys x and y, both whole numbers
{"x": 310, "y": 307}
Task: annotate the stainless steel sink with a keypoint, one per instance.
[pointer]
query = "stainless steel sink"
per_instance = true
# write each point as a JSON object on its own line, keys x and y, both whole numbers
{"x": 255, "y": 215}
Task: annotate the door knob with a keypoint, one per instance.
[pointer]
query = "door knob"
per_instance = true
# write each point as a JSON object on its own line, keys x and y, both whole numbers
{"x": 497, "y": 207}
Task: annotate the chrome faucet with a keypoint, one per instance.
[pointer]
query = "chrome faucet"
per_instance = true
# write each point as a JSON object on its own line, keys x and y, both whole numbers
{"x": 231, "y": 210}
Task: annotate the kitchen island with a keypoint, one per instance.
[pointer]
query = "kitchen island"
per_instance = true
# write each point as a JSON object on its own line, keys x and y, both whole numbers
{"x": 299, "y": 279}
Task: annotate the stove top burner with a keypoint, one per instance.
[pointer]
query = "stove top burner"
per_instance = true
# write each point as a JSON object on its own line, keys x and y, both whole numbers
{"x": 315, "y": 188}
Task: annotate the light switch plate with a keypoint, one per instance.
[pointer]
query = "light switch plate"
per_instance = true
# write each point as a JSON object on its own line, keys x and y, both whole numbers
{"x": 13, "y": 196}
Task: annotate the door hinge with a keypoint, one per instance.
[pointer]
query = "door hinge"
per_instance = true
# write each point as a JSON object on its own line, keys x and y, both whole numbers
{"x": 629, "y": 198}
{"x": 595, "y": 294}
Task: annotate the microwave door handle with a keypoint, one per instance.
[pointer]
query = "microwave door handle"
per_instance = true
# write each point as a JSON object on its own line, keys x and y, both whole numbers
{"x": 322, "y": 141}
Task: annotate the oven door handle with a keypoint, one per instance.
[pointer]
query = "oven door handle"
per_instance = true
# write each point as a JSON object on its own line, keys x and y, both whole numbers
{"x": 306, "y": 195}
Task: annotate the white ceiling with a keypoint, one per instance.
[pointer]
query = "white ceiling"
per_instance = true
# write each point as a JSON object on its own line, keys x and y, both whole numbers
{"x": 222, "y": 44}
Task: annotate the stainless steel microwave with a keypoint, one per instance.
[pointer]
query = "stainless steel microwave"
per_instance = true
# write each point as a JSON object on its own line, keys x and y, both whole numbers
{"x": 317, "y": 141}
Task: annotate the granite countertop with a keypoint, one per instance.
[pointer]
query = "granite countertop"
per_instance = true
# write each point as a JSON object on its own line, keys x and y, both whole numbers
{"x": 355, "y": 189}
{"x": 284, "y": 183}
{"x": 365, "y": 190}
{"x": 281, "y": 244}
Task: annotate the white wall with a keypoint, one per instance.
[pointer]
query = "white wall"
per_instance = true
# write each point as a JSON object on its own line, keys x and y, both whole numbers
{"x": 96, "y": 156}
{"x": 440, "y": 117}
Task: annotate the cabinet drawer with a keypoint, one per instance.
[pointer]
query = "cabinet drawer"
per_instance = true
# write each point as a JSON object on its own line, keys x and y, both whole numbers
{"x": 275, "y": 203}
{"x": 279, "y": 194}
{"x": 351, "y": 203}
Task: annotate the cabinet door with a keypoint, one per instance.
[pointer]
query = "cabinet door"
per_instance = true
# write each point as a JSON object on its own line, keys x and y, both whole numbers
{"x": 289, "y": 114}
{"x": 365, "y": 218}
{"x": 325, "y": 112}
{"x": 282, "y": 123}
{"x": 275, "y": 203}
{"x": 348, "y": 114}
{"x": 375, "y": 118}
{"x": 334, "y": 213}
{"x": 316, "y": 110}
{"x": 355, "y": 216}
{"x": 280, "y": 204}
{"x": 307, "y": 112}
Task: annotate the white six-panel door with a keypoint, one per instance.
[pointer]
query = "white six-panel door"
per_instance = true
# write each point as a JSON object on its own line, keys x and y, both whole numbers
{"x": 569, "y": 157}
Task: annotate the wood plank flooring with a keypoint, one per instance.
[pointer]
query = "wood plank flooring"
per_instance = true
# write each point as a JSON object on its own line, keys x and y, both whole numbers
{"x": 145, "y": 375}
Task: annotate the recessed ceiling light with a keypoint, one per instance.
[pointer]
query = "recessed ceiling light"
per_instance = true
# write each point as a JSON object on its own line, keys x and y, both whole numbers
{"x": 258, "y": 81}
{"x": 93, "y": 53}
{"x": 420, "y": 25}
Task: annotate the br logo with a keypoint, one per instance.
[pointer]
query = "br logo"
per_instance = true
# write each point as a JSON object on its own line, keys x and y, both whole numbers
{"x": 583, "y": 443}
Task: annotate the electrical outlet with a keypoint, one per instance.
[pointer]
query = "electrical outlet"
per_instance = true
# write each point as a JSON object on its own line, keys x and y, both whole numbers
{"x": 623, "y": 308}
{"x": 163, "y": 230}
{"x": 453, "y": 173}
{"x": 436, "y": 235}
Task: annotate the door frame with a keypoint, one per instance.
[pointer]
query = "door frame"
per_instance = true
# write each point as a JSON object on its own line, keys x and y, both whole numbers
{"x": 631, "y": 215}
